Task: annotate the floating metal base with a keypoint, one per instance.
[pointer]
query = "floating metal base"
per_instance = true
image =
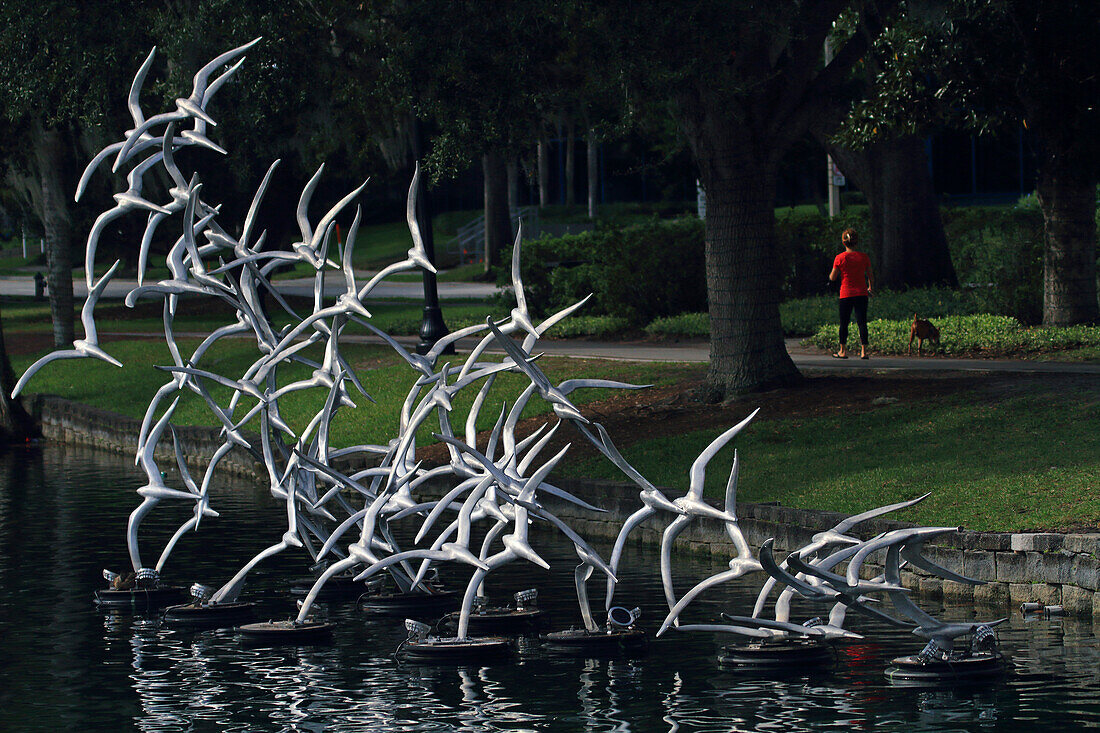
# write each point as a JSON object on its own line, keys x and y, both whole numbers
{"x": 455, "y": 651}
{"x": 215, "y": 616}
{"x": 287, "y": 632}
{"x": 793, "y": 655}
{"x": 410, "y": 605}
{"x": 507, "y": 621}
{"x": 581, "y": 641}
{"x": 140, "y": 598}
{"x": 977, "y": 667}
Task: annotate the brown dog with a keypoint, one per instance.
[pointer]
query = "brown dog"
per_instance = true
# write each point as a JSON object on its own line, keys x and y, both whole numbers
{"x": 922, "y": 330}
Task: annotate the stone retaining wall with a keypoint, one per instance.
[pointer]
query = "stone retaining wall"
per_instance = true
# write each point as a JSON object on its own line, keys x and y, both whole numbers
{"x": 1052, "y": 569}
{"x": 72, "y": 422}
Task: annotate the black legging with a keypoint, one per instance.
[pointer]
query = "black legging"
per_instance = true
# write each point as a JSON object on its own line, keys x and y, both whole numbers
{"x": 858, "y": 304}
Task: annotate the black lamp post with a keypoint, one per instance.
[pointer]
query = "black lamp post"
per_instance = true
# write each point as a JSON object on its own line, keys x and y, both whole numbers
{"x": 432, "y": 328}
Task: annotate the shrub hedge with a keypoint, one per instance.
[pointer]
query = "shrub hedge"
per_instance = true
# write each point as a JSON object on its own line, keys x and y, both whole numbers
{"x": 971, "y": 334}
{"x": 628, "y": 269}
{"x": 804, "y": 316}
{"x": 688, "y": 325}
{"x": 643, "y": 272}
{"x": 998, "y": 253}
{"x": 806, "y": 243}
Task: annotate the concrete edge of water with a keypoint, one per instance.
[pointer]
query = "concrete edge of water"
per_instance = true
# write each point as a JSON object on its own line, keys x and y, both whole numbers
{"x": 1047, "y": 568}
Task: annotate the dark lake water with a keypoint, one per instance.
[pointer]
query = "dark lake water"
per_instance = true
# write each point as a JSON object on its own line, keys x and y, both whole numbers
{"x": 66, "y": 666}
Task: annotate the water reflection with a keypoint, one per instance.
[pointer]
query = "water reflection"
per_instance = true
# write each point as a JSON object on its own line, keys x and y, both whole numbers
{"x": 71, "y": 667}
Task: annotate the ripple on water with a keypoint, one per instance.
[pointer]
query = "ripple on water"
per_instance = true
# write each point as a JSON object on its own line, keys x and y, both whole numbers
{"x": 62, "y": 519}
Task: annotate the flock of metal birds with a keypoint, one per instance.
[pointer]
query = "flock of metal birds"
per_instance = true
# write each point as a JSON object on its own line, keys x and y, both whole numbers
{"x": 346, "y": 521}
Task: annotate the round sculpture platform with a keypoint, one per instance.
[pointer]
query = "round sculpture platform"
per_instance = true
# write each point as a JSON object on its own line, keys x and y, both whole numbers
{"x": 409, "y": 605}
{"x": 977, "y": 667}
{"x": 581, "y": 641}
{"x": 507, "y": 621}
{"x": 140, "y": 598}
{"x": 218, "y": 615}
{"x": 792, "y": 655}
{"x": 475, "y": 649}
{"x": 336, "y": 588}
{"x": 287, "y": 632}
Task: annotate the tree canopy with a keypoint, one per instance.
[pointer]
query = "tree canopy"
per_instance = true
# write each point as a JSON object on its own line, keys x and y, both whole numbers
{"x": 742, "y": 82}
{"x": 984, "y": 65}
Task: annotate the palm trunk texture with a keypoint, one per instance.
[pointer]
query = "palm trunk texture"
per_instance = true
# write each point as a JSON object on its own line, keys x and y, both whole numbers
{"x": 57, "y": 222}
{"x": 747, "y": 348}
{"x": 1068, "y": 202}
{"x": 498, "y": 221}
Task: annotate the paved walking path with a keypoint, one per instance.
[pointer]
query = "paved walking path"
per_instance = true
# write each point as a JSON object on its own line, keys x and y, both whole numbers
{"x": 803, "y": 358}
{"x": 303, "y": 287}
{"x": 695, "y": 351}
{"x": 699, "y": 352}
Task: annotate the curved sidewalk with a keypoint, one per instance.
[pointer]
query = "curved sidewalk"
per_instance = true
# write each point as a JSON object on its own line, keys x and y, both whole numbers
{"x": 699, "y": 352}
{"x": 301, "y": 287}
{"x": 691, "y": 351}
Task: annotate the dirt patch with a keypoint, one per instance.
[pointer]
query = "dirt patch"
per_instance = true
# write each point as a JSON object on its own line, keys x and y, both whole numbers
{"x": 29, "y": 343}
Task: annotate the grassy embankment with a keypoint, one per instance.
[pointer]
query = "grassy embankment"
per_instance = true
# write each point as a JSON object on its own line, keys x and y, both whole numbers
{"x": 999, "y": 464}
{"x": 384, "y": 375}
{"x": 1023, "y": 461}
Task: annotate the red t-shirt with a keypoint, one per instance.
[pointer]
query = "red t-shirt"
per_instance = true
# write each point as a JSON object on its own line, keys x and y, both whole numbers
{"x": 853, "y": 268}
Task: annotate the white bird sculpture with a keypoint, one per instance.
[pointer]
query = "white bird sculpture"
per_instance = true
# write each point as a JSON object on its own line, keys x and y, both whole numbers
{"x": 190, "y": 107}
{"x": 82, "y": 348}
{"x": 692, "y": 505}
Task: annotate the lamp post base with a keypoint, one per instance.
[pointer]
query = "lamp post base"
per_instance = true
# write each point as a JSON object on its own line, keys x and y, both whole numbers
{"x": 432, "y": 328}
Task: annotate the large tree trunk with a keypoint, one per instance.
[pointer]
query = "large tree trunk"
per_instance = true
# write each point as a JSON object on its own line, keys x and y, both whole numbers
{"x": 1068, "y": 202}
{"x": 498, "y": 221}
{"x": 570, "y": 163}
{"x": 593, "y": 159}
{"x": 544, "y": 173}
{"x": 906, "y": 237}
{"x": 50, "y": 156}
{"x": 16, "y": 425}
{"x": 513, "y": 184}
{"x": 747, "y": 351}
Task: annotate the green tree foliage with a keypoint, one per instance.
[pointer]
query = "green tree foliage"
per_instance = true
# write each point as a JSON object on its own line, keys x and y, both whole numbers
{"x": 61, "y": 65}
{"x": 744, "y": 81}
{"x": 989, "y": 64}
{"x": 65, "y": 69}
{"x": 488, "y": 75}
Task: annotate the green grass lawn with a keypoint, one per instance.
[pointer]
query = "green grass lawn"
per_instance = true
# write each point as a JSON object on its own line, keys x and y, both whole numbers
{"x": 1025, "y": 460}
{"x": 1021, "y": 462}
{"x": 394, "y": 316}
{"x": 385, "y": 376}
{"x": 1028, "y": 459}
